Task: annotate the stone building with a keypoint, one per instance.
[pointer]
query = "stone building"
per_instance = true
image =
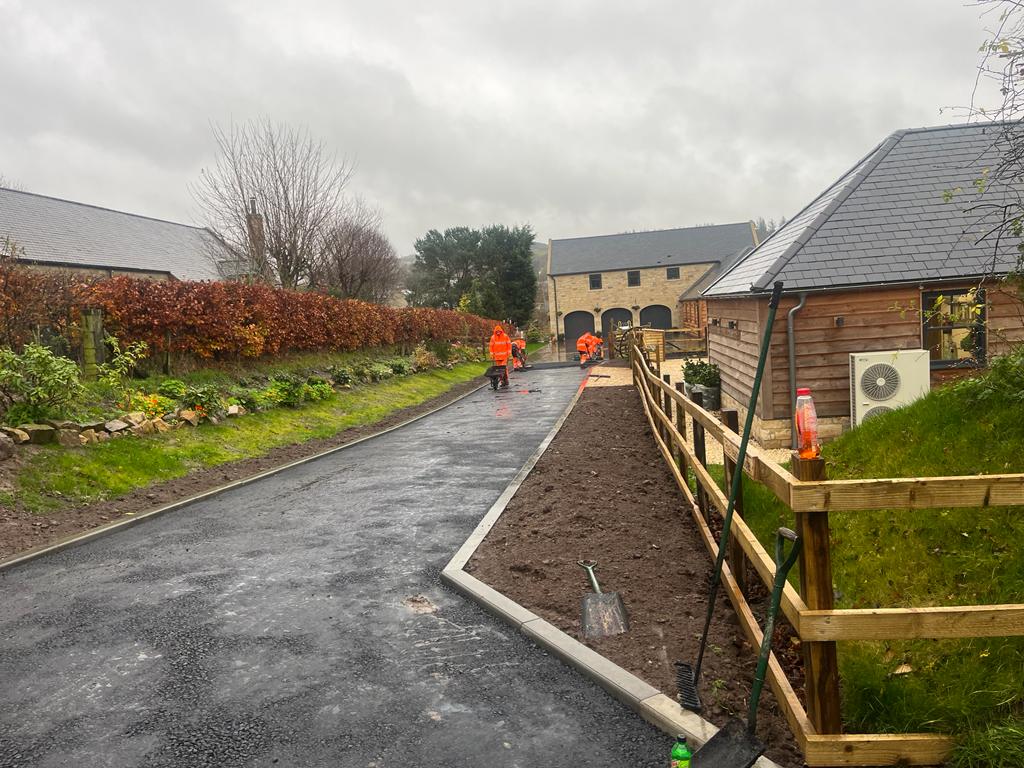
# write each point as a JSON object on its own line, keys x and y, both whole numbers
{"x": 61, "y": 234}
{"x": 640, "y": 278}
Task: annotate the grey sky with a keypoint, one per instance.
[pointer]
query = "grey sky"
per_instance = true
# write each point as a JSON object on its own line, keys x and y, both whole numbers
{"x": 578, "y": 117}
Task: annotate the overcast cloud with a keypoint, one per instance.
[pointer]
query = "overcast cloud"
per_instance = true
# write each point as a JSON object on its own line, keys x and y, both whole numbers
{"x": 577, "y": 117}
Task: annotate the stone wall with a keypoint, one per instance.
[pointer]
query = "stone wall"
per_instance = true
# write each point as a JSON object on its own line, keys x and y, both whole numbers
{"x": 572, "y": 293}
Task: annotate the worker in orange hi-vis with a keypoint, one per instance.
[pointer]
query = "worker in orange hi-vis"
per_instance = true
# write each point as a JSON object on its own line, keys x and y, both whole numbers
{"x": 501, "y": 350}
{"x": 583, "y": 347}
{"x": 595, "y": 347}
{"x": 518, "y": 353}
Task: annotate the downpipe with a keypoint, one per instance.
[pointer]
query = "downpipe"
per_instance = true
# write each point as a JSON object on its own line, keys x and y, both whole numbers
{"x": 791, "y": 341}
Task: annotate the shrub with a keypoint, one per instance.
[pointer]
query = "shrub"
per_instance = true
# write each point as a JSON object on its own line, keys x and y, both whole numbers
{"x": 172, "y": 388}
{"x": 37, "y": 381}
{"x": 423, "y": 358}
{"x": 342, "y": 375}
{"x": 116, "y": 374}
{"x": 205, "y": 399}
{"x": 534, "y": 334}
{"x": 400, "y": 365}
{"x": 317, "y": 389}
{"x": 702, "y": 373}
{"x": 379, "y": 371}
{"x": 151, "y": 405}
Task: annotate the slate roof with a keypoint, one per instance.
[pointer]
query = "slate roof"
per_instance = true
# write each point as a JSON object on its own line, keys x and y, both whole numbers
{"x": 886, "y": 220}
{"x": 640, "y": 250}
{"x": 55, "y": 231}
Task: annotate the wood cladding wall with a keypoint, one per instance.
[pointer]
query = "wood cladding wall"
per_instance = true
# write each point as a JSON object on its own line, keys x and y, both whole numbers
{"x": 828, "y": 328}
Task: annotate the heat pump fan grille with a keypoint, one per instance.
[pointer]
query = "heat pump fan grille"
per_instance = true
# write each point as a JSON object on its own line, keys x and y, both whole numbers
{"x": 880, "y": 381}
{"x": 878, "y": 410}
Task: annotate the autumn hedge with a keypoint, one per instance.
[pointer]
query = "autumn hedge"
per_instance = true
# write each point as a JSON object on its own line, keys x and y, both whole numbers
{"x": 229, "y": 319}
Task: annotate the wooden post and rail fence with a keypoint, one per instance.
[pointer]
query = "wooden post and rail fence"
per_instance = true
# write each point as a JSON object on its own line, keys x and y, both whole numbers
{"x": 817, "y": 723}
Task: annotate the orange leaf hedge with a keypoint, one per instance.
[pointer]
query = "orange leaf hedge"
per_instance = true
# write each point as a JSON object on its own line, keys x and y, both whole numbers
{"x": 227, "y": 319}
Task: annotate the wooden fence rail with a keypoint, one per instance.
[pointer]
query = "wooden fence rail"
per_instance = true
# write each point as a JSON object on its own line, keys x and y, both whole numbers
{"x": 810, "y": 611}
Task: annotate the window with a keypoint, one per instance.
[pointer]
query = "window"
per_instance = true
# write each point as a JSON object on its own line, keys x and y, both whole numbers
{"x": 953, "y": 326}
{"x": 633, "y": 278}
{"x": 595, "y": 282}
{"x": 672, "y": 273}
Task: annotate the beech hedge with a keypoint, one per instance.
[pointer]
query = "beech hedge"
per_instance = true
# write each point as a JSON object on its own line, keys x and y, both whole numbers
{"x": 228, "y": 319}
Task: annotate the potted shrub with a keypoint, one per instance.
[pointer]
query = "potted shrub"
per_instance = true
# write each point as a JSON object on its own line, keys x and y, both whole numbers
{"x": 690, "y": 376}
{"x": 706, "y": 379}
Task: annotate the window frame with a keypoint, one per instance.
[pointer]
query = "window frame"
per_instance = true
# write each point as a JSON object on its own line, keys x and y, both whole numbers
{"x": 668, "y": 273}
{"x": 977, "y": 327}
{"x": 590, "y": 281}
{"x": 629, "y": 278}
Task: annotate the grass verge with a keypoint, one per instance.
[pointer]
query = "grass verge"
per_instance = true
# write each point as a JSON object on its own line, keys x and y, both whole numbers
{"x": 57, "y": 478}
{"x": 972, "y": 689}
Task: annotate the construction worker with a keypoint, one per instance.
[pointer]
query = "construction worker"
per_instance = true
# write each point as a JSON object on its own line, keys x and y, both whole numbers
{"x": 501, "y": 350}
{"x": 518, "y": 353}
{"x": 595, "y": 351}
{"x": 583, "y": 347}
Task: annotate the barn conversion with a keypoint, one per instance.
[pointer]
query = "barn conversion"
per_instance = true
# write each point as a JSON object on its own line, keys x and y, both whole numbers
{"x": 595, "y": 283}
{"x": 892, "y": 256}
{"x": 61, "y": 234}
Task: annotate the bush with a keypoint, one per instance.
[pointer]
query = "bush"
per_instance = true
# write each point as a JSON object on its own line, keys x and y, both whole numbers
{"x": 317, "y": 389}
{"x": 286, "y": 390}
{"x": 225, "y": 319}
{"x": 1004, "y": 380}
{"x": 151, "y": 405}
{"x": 205, "y": 399}
{"x": 534, "y": 334}
{"x": 116, "y": 374}
{"x": 37, "y": 383}
{"x": 379, "y": 371}
{"x": 702, "y": 373}
{"x": 172, "y": 388}
{"x": 342, "y": 375}
{"x": 399, "y": 366}
{"x": 424, "y": 358}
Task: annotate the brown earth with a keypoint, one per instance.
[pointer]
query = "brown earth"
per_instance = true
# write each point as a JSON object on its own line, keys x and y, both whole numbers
{"x": 602, "y": 492}
{"x": 21, "y": 530}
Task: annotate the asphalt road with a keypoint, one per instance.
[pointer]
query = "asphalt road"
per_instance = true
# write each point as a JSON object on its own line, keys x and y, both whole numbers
{"x": 272, "y": 625}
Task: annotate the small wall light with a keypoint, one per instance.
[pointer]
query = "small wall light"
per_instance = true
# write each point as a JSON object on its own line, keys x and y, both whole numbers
{"x": 635, "y": 307}
{"x": 732, "y": 324}
{"x": 840, "y": 321}
{"x": 597, "y": 310}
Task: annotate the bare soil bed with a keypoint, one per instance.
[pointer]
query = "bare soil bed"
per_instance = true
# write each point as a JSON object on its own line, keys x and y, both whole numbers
{"x": 21, "y": 530}
{"x": 601, "y": 491}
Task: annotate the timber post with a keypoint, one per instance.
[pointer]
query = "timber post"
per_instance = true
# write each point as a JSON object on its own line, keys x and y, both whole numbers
{"x": 821, "y": 665}
{"x": 681, "y": 426}
{"x": 92, "y": 342}
{"x": 700, "y": 452}
{"x": 737, "y": 560}
{"x": 667, "y": 408}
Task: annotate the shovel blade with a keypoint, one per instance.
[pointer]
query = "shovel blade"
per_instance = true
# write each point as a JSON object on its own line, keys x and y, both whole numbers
{"x": 731, "y": 747}
{"x": 603, "y": 615}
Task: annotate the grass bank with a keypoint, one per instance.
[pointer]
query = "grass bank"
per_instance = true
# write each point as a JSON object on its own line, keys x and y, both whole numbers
{"x": 56, "y": 478}
{"x": 972, "y": 689}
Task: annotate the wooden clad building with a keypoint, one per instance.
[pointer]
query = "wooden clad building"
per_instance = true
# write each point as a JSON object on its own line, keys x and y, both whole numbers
{"x": 882, "y": 260}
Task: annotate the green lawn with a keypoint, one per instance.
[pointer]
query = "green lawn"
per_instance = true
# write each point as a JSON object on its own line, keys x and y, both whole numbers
{"x": 973, "y": 689}
{"x": 56, "y": 478}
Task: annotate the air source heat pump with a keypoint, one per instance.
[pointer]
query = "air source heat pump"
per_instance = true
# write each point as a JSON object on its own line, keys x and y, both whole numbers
{"x": 882, "y": 381}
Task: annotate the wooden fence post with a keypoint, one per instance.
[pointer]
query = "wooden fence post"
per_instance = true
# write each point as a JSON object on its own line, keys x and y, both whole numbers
{"x": 92, "y": 342}
{"x": 821, "y": 666}
{"x": 737, "y": 560}
{"x": 681, "y": 426}
{"x": 667, "y": 408}
{"x": 701, "y": 455}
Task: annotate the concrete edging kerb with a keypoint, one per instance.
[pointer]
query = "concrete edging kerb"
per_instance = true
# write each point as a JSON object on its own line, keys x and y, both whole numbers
{"x": 127, "y": 522}
{"x": 644, "y": 699}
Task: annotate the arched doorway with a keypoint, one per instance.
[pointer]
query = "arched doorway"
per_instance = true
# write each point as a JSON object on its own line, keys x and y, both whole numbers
{"x": 656, "y": 316}
{"x": 575, "y": 325}
{"x": 612, "y": 318}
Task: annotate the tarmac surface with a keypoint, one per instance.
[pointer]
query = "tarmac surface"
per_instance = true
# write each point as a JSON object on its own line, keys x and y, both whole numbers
{"x": 300, "y": 621}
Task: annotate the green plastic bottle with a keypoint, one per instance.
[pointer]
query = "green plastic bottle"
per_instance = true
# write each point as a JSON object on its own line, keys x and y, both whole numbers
{"x": 681, "y": 754}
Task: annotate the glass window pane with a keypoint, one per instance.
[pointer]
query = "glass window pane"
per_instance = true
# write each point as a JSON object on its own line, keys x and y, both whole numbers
{"x": 595, "y": 282}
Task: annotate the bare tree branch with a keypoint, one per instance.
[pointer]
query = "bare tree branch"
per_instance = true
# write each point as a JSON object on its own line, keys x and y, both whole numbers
{"x": 271, "y": 197}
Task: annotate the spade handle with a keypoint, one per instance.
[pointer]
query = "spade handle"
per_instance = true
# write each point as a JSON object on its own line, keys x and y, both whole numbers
{"x": 589, "y": 566}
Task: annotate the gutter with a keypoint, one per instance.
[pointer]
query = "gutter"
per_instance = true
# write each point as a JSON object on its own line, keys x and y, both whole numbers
{"x": 791, "y": 340}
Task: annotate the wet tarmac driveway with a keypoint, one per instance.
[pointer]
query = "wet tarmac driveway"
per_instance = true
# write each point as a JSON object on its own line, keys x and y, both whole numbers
{"x": 300, "y": 621}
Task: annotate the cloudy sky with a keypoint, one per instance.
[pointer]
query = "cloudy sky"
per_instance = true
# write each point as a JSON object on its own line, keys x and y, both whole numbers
{"x": 578, "y": 117}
